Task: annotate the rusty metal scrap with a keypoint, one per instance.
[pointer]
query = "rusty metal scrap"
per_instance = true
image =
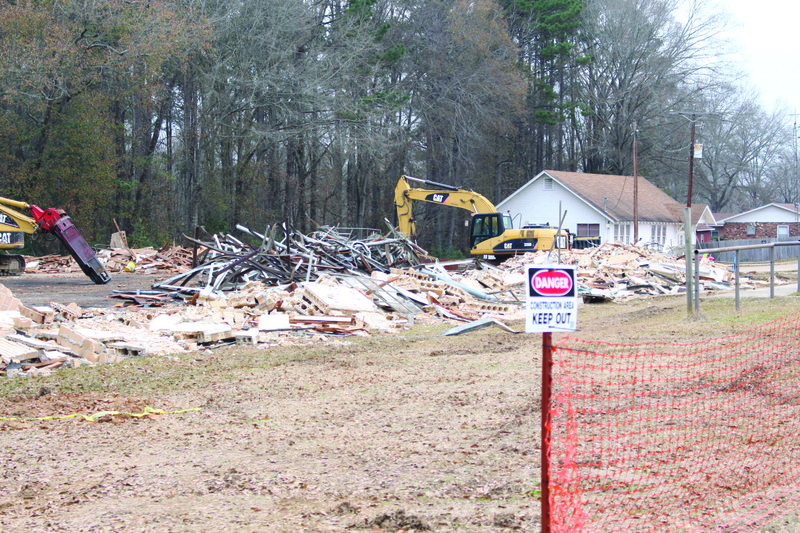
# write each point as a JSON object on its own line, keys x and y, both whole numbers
{"x": 229, "y": 263}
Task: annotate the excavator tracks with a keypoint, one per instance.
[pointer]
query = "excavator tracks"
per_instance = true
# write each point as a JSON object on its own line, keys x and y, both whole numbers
{"x": 11, "y": 265}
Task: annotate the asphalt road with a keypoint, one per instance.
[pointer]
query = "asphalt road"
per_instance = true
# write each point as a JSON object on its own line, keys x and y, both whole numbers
{"x": 43, "y": 289}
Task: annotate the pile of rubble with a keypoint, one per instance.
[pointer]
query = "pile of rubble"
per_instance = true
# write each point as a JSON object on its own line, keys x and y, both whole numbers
{"x": 308, "y": 288}
{"x": 617, "y": 271}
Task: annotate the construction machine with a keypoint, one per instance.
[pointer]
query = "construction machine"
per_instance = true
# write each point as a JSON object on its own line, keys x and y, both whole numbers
{"x": 53, "y": 221}
{"x": 490, "y": 233}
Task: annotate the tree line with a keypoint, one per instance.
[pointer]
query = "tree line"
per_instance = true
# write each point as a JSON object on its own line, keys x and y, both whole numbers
{"x": 159, "y": 116}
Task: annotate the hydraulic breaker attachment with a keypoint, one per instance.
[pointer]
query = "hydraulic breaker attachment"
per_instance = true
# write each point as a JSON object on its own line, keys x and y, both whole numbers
{"x": 14, "y": 223}
{"x": 80, "y": 250}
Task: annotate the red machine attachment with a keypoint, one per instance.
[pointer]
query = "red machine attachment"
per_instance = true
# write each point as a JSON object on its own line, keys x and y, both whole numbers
{"x": 57, "y": 222}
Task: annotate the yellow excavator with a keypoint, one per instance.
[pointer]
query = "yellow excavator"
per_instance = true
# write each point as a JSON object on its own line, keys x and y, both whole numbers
{"x": 15, "y": 224}
{"x": 490, "y": 233}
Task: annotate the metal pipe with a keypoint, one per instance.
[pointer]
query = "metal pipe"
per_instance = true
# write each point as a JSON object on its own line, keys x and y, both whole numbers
{"x": 736, "y": 277}
{"x": 772, "y": 272}
{"x": 697, "y": 281}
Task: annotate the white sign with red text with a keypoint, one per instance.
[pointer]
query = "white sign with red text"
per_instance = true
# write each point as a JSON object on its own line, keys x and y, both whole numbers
{"x": 552, "y": 303}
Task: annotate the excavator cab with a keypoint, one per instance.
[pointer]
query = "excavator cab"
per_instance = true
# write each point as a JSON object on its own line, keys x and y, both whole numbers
{"x": 485, "y": 226}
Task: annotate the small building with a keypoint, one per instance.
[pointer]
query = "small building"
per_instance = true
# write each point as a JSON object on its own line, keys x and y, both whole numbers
{"x": 771, "y": 221}
{"x": 600, "y": 207}
{"x": 705, "y": 224}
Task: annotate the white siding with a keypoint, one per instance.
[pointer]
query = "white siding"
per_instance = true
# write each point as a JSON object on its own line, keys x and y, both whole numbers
{"x": 535, "y": 205}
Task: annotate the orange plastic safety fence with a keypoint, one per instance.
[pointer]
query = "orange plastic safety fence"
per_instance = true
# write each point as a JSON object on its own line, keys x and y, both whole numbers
{"x": 677, "y": 437}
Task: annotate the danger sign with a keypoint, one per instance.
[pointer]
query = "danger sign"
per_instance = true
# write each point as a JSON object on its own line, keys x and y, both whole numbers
{"x": 552, "y": 299}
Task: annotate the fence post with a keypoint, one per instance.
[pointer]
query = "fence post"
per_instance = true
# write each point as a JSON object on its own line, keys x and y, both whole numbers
{"x": 697, "y": 281}
{"x": 687, "y": 237}
{"x": 547, "y": 378}
{"x": 772, "y": 272}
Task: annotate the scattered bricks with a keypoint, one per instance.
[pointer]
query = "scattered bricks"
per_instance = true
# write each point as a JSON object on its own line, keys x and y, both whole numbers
{"x": 234, "y": 318}
{"x": 202, "y": 332}
{"x": 215, "y": 300}
{"x": 14, "y": 352}
{"x": 436, "y": 286}
{"x": 79, "y": 344}
{"x": 410, "y": 273}
{"x": 71, "y": 337}
{"x": 66, "y": 312}
{"x": 39, "y": 315}
{"x": 33, "y": 342}
{"x": 23, "y": 323}
{"x": 91, "y": 357}
{"x": 93, "y": 345}
{"x": 308, "y": 308}
{"x": 242, "y": 299}
{"x": 7, "y": 300}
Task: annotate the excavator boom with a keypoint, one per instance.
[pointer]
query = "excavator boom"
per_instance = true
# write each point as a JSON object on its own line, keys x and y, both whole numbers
{"x": 443, "y": 194}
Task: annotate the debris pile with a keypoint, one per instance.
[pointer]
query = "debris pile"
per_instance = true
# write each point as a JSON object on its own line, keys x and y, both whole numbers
{"x": 228, "y": 263}
{"x": 320, "y": 287}
{"x": 617, "y": 271}
{"x": 170, "y": 260}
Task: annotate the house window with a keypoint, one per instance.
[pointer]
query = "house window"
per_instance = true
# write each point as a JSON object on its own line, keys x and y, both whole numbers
{"x": 588, "y": 230}
{"x": 751, "y": 229}
{"x": 622, "y": 233}
{"x": 783, "y": 231}
{"x": 548, "y": 184}
{"x": 658, "y": 234}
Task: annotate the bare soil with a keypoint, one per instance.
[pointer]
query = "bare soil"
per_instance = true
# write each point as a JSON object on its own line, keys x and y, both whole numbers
{"x": 404, "y": 432}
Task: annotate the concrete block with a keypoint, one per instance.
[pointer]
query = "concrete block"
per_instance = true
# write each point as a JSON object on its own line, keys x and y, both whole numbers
{"x": 249, "y": 337}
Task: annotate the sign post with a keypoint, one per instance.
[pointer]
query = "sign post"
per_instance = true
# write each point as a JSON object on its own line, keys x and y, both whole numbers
{"x": 552, "y": 305}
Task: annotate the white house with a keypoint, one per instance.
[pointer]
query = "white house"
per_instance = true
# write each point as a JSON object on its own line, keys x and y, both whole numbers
{"x": 601, "y": 206}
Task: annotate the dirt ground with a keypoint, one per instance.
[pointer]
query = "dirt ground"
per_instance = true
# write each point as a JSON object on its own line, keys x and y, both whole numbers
{"x": 404, "y": 432}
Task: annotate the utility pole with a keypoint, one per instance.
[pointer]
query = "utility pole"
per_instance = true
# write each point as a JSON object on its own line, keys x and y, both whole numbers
{"x": 687, "y": 218}
{"x": 691, "y": 163}
{"x": 635, "y": 186}
{"x": 796, "y": 179}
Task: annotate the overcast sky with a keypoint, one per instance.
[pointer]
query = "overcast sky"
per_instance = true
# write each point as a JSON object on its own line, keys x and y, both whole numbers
{"x": 769, "y": 34}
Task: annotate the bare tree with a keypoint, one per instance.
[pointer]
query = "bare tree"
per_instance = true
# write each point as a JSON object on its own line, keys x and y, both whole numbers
{"x": 742, "y": 146}
{"x": 641, "y": 59}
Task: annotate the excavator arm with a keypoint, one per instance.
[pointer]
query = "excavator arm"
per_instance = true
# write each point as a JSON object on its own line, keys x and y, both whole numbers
{"x": 14, "y": 223}
{"x": 404, "y": 195}
{"x": 491, "y": 233}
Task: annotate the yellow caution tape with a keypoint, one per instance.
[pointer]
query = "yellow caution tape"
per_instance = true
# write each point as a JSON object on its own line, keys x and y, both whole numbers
{"x": 94, "y": 417}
